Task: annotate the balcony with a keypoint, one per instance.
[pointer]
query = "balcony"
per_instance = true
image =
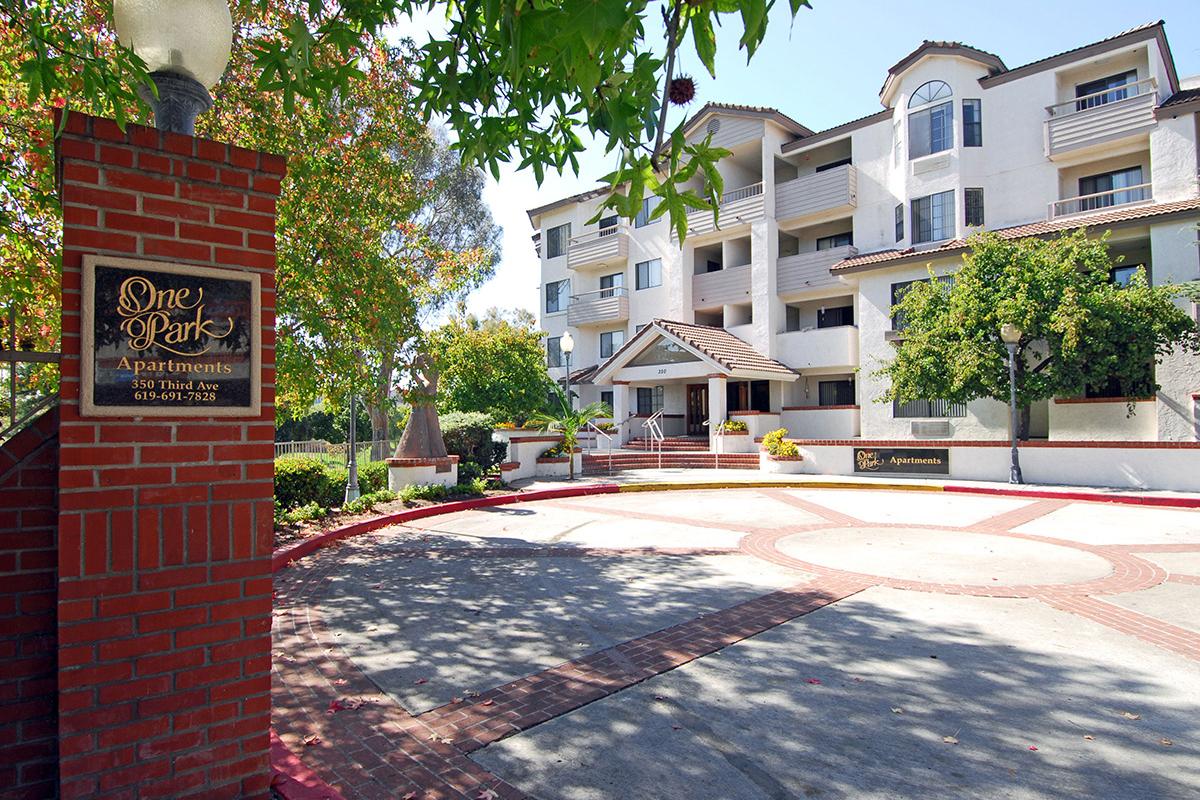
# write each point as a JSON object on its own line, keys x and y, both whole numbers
{"x": 737, "y": 206}
{"x": 809, "y": 270}
{"x": 1100, "y": 119}
{"x": 600, "y": 307}
{"x": 1101, "y": 201}
{"x": 721, "y": 288}
{"x": 601, "y": 248}
{"x": 819, "y": 348}
{"x": 825, "y": 195}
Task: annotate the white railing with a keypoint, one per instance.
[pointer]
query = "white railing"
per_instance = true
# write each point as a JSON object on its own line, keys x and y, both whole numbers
{"x": 651, "y": 425}
{"x": 312, "y": 447}
{"x": 612, "y": 291}
{"x": 602, "y": 233}
{"x": 753, "y": 190}
{"x": 596, "y": 440}
{"x": 1102, "y": 98}
{"x": 718, "y": 444}
{"x": 1100, "y": 200}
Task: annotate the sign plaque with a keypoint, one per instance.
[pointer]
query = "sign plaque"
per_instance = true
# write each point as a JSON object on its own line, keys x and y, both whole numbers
{"x": 173, "y": 340}
{"x": 906, "y": 460}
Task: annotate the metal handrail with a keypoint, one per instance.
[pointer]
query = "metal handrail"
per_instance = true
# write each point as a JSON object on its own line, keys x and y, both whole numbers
{"x": 656, "y": 434}
{"x": 607, "y": 436}
{"x": 34, "y": 411}
{"x": 613, "y": 291}
{"x": 753, "y": 190}
{"x": 1141, "y": 193}
{"x": 602, "y": 233}
{"x": 1079, "y": 104}
{"x": 719, "y": 444}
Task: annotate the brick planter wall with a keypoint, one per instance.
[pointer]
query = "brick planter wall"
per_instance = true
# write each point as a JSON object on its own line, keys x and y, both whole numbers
{"x": 165, "y": 524}
{"x": 28, "y": 624}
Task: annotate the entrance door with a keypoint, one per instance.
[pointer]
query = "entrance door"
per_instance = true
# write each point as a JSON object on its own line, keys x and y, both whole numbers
{"x": 697, "y": 409}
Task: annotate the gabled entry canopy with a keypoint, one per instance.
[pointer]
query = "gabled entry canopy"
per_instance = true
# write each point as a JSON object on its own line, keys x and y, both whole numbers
{"x": 668, "y": 349}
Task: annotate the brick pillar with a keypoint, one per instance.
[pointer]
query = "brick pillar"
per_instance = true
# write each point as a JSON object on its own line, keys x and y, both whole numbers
{"x": 28, "y": 663}
{"x": 165, "y": 524}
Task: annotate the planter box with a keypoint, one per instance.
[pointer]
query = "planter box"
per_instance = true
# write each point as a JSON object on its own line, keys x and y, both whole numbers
{"x": 783, "y": 465}
{"x": 558, "y": 466}
{"x": 735, "y": 442}
{"x": 422, "y": 472}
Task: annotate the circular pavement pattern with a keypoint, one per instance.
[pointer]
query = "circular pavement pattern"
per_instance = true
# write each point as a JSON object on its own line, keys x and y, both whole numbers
{"x": 491, "y": 654}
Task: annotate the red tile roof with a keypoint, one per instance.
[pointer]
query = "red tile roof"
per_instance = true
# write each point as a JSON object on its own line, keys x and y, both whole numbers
{"x": 1096, "y": 220}
{"x": 722, "y": 346}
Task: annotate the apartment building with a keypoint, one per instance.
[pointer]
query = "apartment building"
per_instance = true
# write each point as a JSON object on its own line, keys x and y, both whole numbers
{"x": 785, "y": 309}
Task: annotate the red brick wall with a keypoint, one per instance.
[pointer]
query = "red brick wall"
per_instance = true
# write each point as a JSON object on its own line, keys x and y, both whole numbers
{"x": 28, "y": 654}
{"x": 165, "y": 524}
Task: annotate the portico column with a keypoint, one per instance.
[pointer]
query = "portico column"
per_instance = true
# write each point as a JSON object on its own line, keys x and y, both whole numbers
{"x": 621, "y": 411}
{"x": 716, "y": 406}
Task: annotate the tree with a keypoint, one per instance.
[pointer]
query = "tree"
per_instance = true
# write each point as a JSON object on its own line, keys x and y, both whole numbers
{"x": 1080, "y": 329}
{"x": 495, "y": 365}
{"x": 569, "y": 422}
{"x": 513, "y": 79}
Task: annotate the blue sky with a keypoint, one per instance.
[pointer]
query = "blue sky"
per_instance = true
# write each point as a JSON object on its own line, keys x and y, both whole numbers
{"x": 827, "y": 69}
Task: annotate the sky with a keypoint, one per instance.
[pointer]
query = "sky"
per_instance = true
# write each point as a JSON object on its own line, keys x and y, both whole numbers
{"x": 825, "y": 69}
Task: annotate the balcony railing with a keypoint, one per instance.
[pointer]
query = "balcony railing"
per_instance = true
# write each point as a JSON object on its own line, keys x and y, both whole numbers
{"x": 598, "y": 307}
{"x": 823, "y": 194}
{"x": 1130, "y": 195}
{"x": 724, "y": 287}
{"x": 809, "y": 270}
{"x": 598, "y": 248}
{"x": 819, "y": 348}
{"x": 1101, "y": 118}
{"x": 740, "y": 205}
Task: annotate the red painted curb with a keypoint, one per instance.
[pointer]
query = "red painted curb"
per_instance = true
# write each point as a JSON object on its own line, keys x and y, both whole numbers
{"x": 294, "y": 781}
{"x": 1122, "y": 499}
{"x": 284, "y": 557}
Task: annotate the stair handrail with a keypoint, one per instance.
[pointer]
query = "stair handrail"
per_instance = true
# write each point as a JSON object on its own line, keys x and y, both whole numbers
{"x": 607, "y": 437}
{"x": 656, "y": 434}
{"x": 719, "y": 443}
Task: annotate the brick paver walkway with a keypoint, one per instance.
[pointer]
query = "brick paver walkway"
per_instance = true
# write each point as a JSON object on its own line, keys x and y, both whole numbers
{"x": 363, "y": 742}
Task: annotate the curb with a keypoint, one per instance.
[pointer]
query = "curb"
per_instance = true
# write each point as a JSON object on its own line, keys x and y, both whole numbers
{"x": 294, "y": 781}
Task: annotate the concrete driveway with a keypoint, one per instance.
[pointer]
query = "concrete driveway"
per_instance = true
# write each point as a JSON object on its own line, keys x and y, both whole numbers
{"x": 751, "y": 643}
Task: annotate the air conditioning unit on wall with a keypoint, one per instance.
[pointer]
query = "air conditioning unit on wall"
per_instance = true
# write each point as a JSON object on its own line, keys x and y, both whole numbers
{"x": 931, "y": 428}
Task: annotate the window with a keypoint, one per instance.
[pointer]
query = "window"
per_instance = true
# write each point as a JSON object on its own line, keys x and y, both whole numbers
{"x": 898, "y": 290}
{"x": 611, "y": 285}
{"x": 649, "y": 274}
{"x": 638, "y": 328}
{"x": 837, "y": 240}
{"x": 933, "y": 217}
{"x": 973, "y": 202}
{"x": 972, "y": 123}
{"x": 928, "y": 408}
{"x": 558, "y": 296}
{"x": 836, "y": 393}
{"x": 928, "y": 92}
{"x": 607, "y": 399}
{"x": 1108, "y": 185}
{"x": 663, "y": 352}
{"x": 643, "y": 217}
{"x": 897, "y": 144}
{"x": 649, "y": 400}
{"x": 608, "y": 225}
{"x": 841, "y": 162}
{"x": 900, "y": 222}
{"x": 931, "y": 129}
{"x": 835, "y": 317}
{"x": 556, "y": 240}
{"x": 610, "y": 342}
{"x": 1123, "y": 274}
{"x": 554, "y": 353}
{"x": 1093, "y": 93}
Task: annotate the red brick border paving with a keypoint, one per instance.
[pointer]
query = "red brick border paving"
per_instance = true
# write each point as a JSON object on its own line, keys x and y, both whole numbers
{"x": 1149, "y": 629}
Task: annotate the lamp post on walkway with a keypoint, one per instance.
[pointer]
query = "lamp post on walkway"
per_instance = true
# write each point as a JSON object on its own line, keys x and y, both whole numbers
{"x": 353, "y": 490}
{"x": 185, "y": 44}
{"x": 1011, "y": 335}
{"x": 567, "y": 345}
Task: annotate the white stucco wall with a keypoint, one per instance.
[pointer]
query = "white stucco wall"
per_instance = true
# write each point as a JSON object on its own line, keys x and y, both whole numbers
{"x": 1109, "y": 421}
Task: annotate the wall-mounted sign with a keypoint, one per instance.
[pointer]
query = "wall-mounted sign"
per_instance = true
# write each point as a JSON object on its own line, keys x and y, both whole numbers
{"x": 908, "y": 460}
{"x": 169, "y": 340}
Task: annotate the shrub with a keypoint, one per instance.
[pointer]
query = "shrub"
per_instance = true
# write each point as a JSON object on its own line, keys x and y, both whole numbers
{"x": 733, "y": 426}
{"x": 557, "y": 451}
{"x": 373, "y": 476}
{"x": 468, "y": 435}
{"x": 368, "y": 501}
{"x": 469, "y": 471}
{"x": 300, "y": 480}
{"x": 430, "y": 492}
{"x": 304, "y": 513}
{"x": 776, "y": 445}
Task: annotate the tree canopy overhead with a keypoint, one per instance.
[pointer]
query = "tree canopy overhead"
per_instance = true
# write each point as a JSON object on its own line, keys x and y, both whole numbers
{"x": 1080, "y": 329}
{"x": 516, "y": 80}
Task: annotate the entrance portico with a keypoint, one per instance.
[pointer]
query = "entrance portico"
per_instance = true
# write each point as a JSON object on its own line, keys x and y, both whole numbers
{"x": 696, "y": 375}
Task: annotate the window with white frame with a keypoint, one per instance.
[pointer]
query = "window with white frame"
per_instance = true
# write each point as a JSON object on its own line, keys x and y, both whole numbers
{"x": 972, "y": 123}
{"x": 610, "y": 285}
{"x": 931, "y": 125}
{"x": 643, "y": 217}
{"x": 649, "y": 400}
{"x": 973, "y": 203}
{"x": 554, "y": 353}
{"x": 836, "y": 240}
{"x": 558, "y": 296}
{"x": 610, "y": 342}
{"x": 933, "y": 217}
{"x": 557, "y": 239}
{"x": 649, "y": 273}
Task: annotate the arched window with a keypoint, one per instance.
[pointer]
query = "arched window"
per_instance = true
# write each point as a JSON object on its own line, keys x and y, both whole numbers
{"x": 928, "y": 92}
{"x": 931, "y": 127}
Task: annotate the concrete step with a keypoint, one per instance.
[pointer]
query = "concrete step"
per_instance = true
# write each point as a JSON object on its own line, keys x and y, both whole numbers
{"x": 671, "y": 443}
{"x": 600, "y": 464}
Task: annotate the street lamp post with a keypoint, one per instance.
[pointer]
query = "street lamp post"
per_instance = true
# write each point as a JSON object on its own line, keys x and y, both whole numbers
{"x": 568, "y": 345}
{"x": 1010, "y": 334}
{"x": 353, "y": 490}
{"x": 185, "y": 44}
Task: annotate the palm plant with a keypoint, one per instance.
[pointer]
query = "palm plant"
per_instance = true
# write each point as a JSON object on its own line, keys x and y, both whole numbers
{"x": 568, "y": 421}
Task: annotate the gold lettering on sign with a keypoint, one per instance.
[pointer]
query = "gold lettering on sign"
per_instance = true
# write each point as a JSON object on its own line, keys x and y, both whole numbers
{"x": 868, "y": 460}
{"x": 146, "y": 313}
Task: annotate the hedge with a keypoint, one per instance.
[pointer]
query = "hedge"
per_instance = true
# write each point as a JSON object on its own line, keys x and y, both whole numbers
{"x": 300, "y": 480}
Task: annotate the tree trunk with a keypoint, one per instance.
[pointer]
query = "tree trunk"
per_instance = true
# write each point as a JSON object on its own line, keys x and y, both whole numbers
{"x": 377, "y": 410}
